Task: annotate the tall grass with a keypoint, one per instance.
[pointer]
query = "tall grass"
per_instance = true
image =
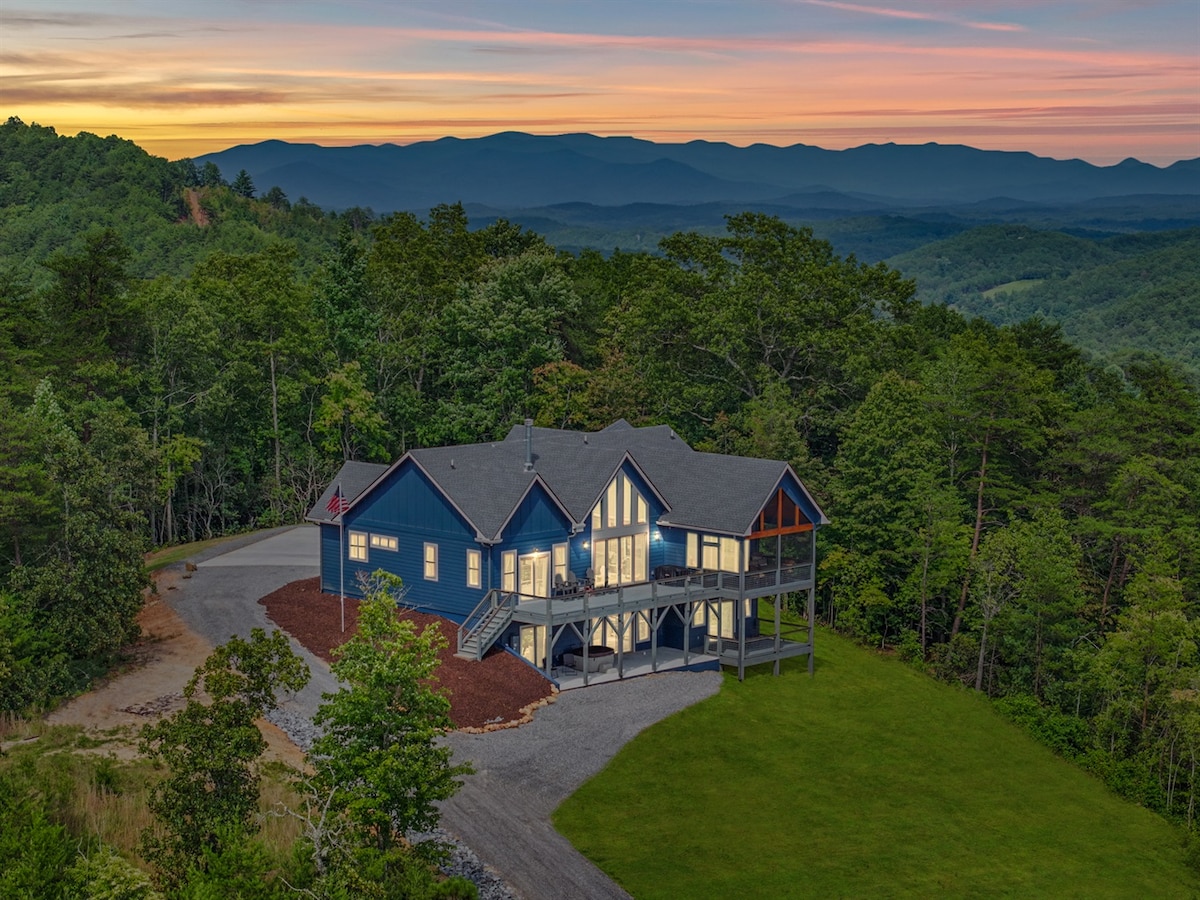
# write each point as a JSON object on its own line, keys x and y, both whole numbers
{"x": 101, "y": 797}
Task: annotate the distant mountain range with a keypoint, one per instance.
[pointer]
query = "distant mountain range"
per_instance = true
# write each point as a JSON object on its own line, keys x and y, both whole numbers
{"x": 521, "y": 171}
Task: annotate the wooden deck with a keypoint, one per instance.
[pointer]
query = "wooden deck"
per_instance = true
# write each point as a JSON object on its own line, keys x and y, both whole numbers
{"x": 658, "y": 594}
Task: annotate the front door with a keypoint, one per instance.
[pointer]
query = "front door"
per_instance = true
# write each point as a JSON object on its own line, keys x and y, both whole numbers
{"x": 534, "y": 569}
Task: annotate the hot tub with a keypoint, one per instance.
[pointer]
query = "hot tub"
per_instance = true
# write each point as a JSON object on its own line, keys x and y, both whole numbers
{"x": 599, "y": 658}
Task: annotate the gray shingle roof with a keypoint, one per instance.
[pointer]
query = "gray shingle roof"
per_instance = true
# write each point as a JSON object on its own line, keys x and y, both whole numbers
{"x": 704, "y": 491}
{"x": 354, "y": 478}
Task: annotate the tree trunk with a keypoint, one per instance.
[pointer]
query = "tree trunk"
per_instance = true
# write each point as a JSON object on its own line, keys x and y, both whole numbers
{"x": 275, "y": 435}
{"x": 1112, "y": 574}
{"x": 966, "y": 585}
{"x": 982, "y": 653}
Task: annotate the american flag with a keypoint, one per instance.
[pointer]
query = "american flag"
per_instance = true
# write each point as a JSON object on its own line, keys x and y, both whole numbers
{"x": 337, "y": 504}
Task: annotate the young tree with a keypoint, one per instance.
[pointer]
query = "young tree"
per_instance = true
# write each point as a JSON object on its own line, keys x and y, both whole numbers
{"x": 208, "y": 799}
{"x": 242, "y": 185}
{"x": 378, "y": 770}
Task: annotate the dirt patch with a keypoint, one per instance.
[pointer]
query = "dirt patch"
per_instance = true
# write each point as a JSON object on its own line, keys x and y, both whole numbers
{"x": 150, "y": 683}
{"x": 496, "y": 691}
{"x": 198, "y": 215}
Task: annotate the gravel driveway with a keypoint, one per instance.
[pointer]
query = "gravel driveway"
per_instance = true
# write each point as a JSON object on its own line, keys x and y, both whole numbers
{"x": 220, "y": 599}
{"x": 522, "y": 774}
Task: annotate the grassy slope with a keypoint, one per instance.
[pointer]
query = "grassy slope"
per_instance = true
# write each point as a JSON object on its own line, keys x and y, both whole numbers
{"x": 868, "y": 780}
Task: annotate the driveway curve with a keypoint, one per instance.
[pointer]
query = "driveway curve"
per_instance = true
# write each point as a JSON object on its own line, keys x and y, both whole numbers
{"x": 521, "y": 774}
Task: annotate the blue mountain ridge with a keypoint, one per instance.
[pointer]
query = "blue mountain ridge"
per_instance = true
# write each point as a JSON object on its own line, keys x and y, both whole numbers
{"x": 513, "y": 169}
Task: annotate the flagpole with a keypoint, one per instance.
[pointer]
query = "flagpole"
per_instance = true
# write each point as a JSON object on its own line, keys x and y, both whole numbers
{"x": 342, "y": 552}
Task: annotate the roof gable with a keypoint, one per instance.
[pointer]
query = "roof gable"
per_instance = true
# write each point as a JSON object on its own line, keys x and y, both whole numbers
{"x": 486, "y": 483}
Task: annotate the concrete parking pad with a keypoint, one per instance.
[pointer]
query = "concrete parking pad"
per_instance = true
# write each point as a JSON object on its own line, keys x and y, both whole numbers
{"x": 296, "y": 547}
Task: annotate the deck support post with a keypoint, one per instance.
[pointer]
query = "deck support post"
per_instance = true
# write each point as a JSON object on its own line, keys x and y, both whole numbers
{"x": 812, "y": 614}
{"x": 687, "y": 632}
{"x": 654, "y": 620}
{"x": 740, "y": 621}
{"x": 778, "y": 626}
{"x": 622, "y": 624}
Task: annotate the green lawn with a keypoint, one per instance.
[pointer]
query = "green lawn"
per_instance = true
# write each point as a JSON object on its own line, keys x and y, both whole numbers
{"x": 1013, "y": 287}
{"x": 868, "y": 780}
{"x": 167, "y": 556}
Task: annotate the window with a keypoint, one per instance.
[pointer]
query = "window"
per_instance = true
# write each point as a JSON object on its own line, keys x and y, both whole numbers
{"x": 729, "y": 555}
{"x": 561, "y": 575}
{"x": 385, "y": 542}
{"x": 693, "y": 550}
{"x": 431, "y": 573}
{"x": 358, "y": 546}
{"x": 508, "y": 570}
{"x": 533, "y": 644}
{"x": 610, "y": 634}
{"x": 709, "y": 558}
{"x": 620, "y": 535}
{"x": 473, "y": 575}
{"x": 698, "y": 615}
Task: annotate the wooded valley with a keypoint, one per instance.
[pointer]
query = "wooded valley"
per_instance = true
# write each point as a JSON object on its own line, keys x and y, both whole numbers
{"x": 186, "y": 354}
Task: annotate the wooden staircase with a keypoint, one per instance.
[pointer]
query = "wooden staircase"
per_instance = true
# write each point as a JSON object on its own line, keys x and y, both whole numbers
{"x": 485, "y": 624}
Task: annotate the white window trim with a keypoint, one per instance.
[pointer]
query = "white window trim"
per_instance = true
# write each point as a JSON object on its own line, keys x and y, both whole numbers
{"x": 426, "y": 561}
{"x": 385, "y": 542}
{"x": 356, "y": 546}
{"x": 508, "y": 576}
{"x": 474, "y": 569}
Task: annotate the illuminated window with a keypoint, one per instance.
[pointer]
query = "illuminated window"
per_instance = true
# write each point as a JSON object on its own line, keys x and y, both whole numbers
{"x": 473, "y": 569}
{"x": 729, "y": 555}
{"x": 710, "y": 558}
{"x": 561, "y": 575}
{"x": 385, "y": 542}
{"x": 533, "y": 644}
{"x": 693, "y": 550}
{"x": 358, "y": 546}
{"x": 431, "y": 568}
{"x": 698, "y": 616}
{"x": 508, "y": 570}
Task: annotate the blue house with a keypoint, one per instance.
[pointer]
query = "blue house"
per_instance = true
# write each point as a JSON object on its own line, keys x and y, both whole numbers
{"x": 593, "y": 555}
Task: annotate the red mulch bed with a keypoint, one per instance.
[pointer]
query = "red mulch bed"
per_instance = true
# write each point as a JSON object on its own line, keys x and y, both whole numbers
{"x": 491, "y": 691}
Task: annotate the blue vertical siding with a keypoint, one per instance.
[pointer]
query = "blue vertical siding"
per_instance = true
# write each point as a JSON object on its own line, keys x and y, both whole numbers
{"x": 536, "y": 526}
{"x": 408, "y": 507}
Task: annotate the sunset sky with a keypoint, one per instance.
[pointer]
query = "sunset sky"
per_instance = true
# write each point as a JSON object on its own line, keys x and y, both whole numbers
{"x": 1100, "y": 80}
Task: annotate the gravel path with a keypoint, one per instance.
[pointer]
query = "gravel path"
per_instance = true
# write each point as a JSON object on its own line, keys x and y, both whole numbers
{"x": 523, "y": 774}
{"x": 502, "y": 813}
{"x": 220, "y": 598}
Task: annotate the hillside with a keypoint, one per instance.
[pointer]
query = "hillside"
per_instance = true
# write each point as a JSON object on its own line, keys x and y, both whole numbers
{"x": 1115, "y": 297}
{"x": 186, "y": 353}
{"x": 867, "y": 780}
{"x": 55, "y": 188}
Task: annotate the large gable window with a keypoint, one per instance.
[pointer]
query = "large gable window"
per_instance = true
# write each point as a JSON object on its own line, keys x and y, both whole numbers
{"x": 620, "y": 534}
{"x": 358, "y": 546}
